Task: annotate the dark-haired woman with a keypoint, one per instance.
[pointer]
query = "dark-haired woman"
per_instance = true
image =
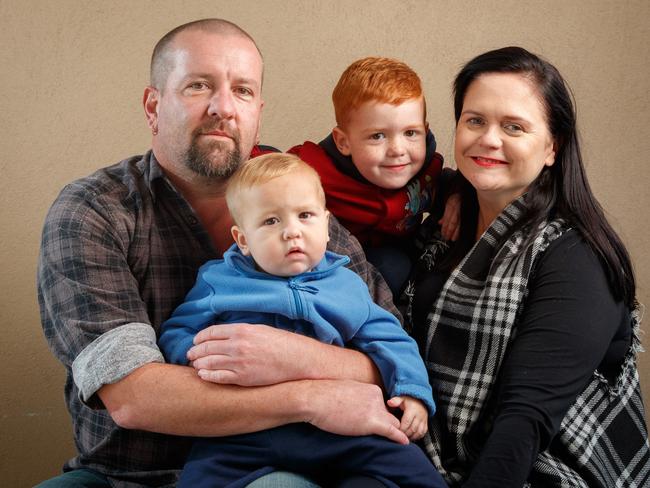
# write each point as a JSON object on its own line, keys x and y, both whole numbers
{"x": 528, "y": 323}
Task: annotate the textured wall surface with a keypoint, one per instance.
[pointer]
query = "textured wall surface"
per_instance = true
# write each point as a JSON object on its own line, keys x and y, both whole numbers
{"x": 71, "y": 85}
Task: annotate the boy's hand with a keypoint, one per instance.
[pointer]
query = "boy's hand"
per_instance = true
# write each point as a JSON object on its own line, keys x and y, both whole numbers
{"x": 415, "y": 417}
{"x": 450, "y": 220}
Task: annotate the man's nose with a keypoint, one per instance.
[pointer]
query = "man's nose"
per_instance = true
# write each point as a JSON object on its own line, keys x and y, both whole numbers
{"x": 222, "y": 104}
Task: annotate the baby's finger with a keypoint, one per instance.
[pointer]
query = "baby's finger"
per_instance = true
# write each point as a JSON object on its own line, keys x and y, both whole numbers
{"x": 419, "y": 428}
{"x": 406, "y": 424}
{"x": 396, "y": 402}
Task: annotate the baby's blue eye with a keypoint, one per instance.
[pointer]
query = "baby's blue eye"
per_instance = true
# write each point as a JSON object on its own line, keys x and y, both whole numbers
{"x": 377, "y": 136}
{"x": 271, "y": 221}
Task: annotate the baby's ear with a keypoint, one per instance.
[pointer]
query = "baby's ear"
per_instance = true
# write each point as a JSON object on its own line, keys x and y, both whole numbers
{"x": 240, "y": 239}
{"x": 327, "y": 218}
{"x": 341, "y": 141}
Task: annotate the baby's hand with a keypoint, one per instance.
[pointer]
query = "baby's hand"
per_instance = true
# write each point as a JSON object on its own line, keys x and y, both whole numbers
{"x": 415, "y": 417}
{"x": 450, "y": 221}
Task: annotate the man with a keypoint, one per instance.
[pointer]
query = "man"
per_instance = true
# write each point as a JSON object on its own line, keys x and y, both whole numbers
{"x": 121, "y": 248}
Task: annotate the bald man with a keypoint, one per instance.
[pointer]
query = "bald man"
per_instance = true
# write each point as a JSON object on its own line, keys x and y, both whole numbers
{"x": 120, "y": 249}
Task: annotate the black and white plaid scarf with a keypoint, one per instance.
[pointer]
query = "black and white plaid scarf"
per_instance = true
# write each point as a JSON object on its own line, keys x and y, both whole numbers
{"x": 469, "y": 330}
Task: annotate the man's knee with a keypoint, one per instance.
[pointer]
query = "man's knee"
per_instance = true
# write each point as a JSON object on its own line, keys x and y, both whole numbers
{"x": 283, "y": 479}
{"x": 79, "y": 478}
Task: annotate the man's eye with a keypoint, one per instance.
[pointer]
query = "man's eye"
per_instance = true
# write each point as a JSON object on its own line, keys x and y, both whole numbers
{"x": 198, "y": 85}
{"x": 243, "y": 91}
{"x": 271, "y": 221}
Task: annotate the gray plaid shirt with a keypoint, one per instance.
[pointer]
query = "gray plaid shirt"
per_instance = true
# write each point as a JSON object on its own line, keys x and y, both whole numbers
{"x": 120, "y": 249}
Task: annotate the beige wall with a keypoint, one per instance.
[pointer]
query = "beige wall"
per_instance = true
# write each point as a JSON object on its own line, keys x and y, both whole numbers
{"x": 71, "y": 86}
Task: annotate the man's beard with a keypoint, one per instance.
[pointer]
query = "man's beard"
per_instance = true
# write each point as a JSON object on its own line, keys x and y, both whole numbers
{"x": 213, "y": 160}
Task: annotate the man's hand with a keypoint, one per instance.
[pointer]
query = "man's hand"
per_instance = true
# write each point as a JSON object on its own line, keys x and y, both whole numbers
{"x": 351, "y": 408}
{"x": 246, "y": 355}
{"x": 415, "y": 418}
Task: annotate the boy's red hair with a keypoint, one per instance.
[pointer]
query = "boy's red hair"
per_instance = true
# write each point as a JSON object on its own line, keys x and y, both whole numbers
{"x": 383, "y": 80}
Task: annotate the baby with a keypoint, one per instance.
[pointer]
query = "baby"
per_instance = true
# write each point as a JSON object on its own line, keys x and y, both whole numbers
{"x": 279, "y": 273}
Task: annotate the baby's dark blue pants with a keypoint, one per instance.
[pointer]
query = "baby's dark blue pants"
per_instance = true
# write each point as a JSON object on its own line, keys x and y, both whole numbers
{"x": 236, "y": 461}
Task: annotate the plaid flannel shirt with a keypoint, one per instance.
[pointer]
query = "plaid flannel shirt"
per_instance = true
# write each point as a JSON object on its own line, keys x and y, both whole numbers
{"x": 120, "y": 249}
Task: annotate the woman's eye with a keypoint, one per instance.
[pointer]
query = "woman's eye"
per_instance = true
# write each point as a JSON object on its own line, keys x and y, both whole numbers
{"x": 411, "y": 133}
{"x": 514, "y": 128}
{"x": 475, "y": 121}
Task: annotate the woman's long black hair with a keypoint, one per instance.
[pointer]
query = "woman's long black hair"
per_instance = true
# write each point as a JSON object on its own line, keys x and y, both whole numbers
{"x": 562, "y": 189}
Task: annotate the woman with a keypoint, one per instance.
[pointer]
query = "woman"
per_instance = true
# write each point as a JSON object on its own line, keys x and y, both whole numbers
{"x": 531, "y": 336}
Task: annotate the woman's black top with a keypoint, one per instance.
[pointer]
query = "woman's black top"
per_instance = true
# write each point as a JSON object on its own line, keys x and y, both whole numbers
{"x": 571, "y": 325}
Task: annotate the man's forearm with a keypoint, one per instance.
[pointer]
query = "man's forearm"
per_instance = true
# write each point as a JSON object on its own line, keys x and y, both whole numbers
{"x": 332, "y": 362}
{"x": 172, "y": 399}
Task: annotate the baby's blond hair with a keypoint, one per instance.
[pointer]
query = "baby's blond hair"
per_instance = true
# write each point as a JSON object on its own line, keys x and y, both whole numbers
{"x": 263, "y": 169}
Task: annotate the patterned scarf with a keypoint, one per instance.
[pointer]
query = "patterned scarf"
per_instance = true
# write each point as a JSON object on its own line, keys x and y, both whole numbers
{"x": 469, "y": 330}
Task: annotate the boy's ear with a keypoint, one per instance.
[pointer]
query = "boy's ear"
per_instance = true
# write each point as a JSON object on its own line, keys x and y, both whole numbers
{"x": 240, "y": 240}
{"x": 341, "y": 141}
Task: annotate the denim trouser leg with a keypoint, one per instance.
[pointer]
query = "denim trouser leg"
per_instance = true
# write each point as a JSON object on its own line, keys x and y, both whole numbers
{"x": 280, "y": 479}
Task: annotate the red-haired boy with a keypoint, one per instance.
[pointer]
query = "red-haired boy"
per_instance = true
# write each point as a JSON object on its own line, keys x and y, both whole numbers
{"x": 379, "y": 166}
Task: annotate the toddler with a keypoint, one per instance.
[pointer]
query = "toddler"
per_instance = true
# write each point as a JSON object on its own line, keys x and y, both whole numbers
{"x": 379, "y": 166}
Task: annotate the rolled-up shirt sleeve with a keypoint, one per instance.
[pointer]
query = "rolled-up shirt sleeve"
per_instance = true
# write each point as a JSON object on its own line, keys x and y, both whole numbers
{"x": 94, "y": 318}
{"x": 112, "y": 356}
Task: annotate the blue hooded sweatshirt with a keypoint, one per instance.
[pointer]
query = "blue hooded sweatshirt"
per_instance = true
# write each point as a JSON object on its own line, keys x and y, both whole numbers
{"x": 329, "y": 303}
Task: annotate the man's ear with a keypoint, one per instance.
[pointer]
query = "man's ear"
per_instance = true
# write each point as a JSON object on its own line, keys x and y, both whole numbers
{"x": 259, "y": 124}
{"x": 240, "y": 240}
{"x": 150, "y": 105}
{"x": 341, "y": 140}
